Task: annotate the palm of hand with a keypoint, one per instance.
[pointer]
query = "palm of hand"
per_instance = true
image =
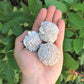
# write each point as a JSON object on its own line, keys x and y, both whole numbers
{"x": 28, "y": 62}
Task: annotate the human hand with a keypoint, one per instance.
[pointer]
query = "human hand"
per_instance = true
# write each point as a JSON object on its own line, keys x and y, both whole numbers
{"x": 33, "y": 70}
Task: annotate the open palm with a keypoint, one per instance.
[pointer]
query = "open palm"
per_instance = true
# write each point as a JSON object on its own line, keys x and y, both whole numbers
{"x": 29, "y": 62}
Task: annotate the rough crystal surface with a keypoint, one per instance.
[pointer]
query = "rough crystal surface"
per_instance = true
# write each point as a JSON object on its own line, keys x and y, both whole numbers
{"x": 32, "y": 41}
{"x": 48, "y": 54}
{"x": 48, "y": 31}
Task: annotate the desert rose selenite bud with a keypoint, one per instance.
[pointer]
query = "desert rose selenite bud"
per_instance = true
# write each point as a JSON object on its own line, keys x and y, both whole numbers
{"x": 32, "y": 41}
{"x": 48, "y": 31}
{"x": 48, "y": 54}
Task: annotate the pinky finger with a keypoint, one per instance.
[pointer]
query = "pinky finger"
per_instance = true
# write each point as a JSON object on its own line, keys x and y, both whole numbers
{"x": 59, "y": 41}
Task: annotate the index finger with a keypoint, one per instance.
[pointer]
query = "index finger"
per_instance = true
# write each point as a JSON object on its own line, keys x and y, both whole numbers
{"x": 40, "y": 18}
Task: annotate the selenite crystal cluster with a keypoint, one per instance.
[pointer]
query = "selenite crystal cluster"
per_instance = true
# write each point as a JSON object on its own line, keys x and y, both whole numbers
{"x": 47, "y": 52}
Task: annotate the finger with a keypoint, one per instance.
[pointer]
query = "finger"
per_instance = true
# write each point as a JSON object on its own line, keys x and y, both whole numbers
{"x": 57, "y": 16}
{"x": 50, "y": 13}
{"x": 40, "y": 18}
{"x": 60, "y": 37}
{"x": 18, "y": 42}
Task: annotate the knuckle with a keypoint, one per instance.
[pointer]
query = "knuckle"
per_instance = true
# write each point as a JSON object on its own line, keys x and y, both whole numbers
{"x": 59, "y": 11}
{"x": 52, "y": 6}
{"x": 43, "y": 9}
{"x": 16, "y": 39}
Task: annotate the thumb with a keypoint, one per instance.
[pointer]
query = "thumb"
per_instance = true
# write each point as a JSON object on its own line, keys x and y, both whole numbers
{"x": 19, "y": 41}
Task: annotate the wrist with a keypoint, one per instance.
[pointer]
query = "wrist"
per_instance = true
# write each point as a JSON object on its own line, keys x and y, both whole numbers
{"x": 33, "y": 79}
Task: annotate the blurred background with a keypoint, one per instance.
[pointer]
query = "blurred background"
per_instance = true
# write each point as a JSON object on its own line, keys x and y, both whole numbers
{"x": 19, "y": 15}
